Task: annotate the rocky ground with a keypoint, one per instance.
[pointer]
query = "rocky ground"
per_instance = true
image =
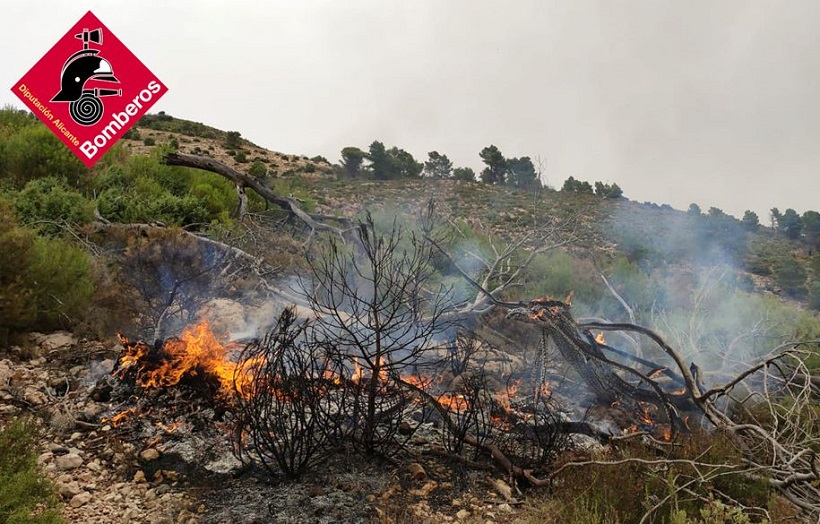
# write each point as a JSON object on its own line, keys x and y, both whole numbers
{"x": 106, "y": 474}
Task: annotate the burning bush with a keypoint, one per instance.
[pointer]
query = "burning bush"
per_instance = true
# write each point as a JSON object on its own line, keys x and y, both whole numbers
{"x": 284, "y": 412}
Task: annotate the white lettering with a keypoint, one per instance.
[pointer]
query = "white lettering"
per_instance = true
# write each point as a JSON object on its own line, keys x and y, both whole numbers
{"x": 89, "y": 149}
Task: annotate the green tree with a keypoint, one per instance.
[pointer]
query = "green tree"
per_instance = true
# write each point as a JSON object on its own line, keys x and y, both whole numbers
{"x": 464, "y": 173}
{"x": 791, "y": 276}
{"x": 352, "y": 158}
{"x": 402, "y": 164}
{"x": 379, "y": 161}
{"x": 811, "y": 228}
{"x": 608, "y": 190}
{"x": 521, "y": 172}
{"x": 750, "y": 221}
{"x": 775, "y": 217}
{"x": 694, "y": 210}
{"x": 496, "y": 170}
{"x": 569, "y": 184}
{"x": 791, "y": 224}
{"x": 576, "y": 186}
{"x": 438, "y": 165}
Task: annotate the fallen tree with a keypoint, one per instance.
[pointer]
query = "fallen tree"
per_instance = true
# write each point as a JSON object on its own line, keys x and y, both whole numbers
{"x": 243, "y": 181}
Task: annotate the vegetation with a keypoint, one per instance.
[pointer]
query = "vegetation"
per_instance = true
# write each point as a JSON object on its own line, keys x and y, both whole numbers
{"x": 707, "y": 279}
{"x": 26, "y": 497}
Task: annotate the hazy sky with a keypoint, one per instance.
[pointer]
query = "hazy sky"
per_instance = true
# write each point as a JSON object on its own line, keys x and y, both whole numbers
{"x": 714, "y": 102}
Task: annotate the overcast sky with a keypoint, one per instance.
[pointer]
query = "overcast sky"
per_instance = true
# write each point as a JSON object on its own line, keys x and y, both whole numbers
{"x": 713, "y": 102}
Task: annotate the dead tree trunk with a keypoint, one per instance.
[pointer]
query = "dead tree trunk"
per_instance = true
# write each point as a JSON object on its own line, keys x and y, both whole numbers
{"x": 242, "y": 181}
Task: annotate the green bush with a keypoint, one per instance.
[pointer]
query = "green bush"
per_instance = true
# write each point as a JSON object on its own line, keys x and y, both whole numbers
{"x": 50, "y": 199}
{"x": 26, "y": 496}
{"x": 814, "y": 296}
{"x": 149, "y": 141}
{"x": 258, "y": 169}
{"x": 44, "y": 282}
{"x": 33, "y": 151}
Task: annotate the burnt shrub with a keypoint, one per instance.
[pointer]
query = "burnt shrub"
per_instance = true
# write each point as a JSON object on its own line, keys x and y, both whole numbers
{"x": 282, "y": 389}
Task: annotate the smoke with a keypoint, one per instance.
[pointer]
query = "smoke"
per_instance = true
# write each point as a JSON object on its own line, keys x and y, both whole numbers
{"x": 683, "y": 276}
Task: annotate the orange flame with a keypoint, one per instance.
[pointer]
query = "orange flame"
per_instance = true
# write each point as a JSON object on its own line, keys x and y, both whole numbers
{"x": 121, "y": 418}
{"x": 196, "y": 351}
{"x": 455, "y": 403}
{"x": 600, "y": 339}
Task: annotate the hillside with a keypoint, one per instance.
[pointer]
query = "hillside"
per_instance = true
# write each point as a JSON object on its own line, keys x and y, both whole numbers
{"x": 146, "y": 338}
{"x": 648, "y": 233}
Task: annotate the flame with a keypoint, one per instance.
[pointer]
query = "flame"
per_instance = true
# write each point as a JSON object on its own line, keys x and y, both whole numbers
{"x": 678, "y": 392}
{"x": 504, "y": 398}
{"x": 600, "y": 338}
{"x": 568, "y": 299}
{"x": 120, "y": 418}
{"x": 357, "y": 375}
{"x": 196, "y": 351}
{"x": 456, "y": 403}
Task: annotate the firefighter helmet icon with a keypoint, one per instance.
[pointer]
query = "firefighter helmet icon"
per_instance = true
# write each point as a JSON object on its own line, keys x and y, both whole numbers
{"x": 85, "y": 106}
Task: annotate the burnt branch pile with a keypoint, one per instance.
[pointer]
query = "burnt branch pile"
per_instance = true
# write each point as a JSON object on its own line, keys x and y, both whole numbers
{"x": 767, "y": 411}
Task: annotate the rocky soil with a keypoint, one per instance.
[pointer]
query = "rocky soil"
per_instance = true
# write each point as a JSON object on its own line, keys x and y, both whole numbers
{"x": 106, "y": 474}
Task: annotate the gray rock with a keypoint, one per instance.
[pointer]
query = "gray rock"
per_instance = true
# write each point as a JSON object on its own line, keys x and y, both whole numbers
{"x": 70, "y": 461}
{"x": 81, "y": 499}
{"x": 58, "y": 340}
{"x": 149, "y": 454}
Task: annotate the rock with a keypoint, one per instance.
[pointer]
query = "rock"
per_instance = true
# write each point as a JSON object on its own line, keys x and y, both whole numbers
{"x": 35, "y": 396}
{"x": 139, "y": 477}
{"x": 80, "y": 499}
{"x": 504, "y": 490}
{"x": 506, "y": 507}
{"x": 70, "y": 461}
{"x": 94, "y": 465}
{"x": 416, "y": 471}
{"x": 149, "y": 454}
{"x": 68, "y": 489}
{"x": 58, "y": 340}
{"x": 462, "y": 514}
{"x": 405, "y": 428}
{"x": 5, "y": 373}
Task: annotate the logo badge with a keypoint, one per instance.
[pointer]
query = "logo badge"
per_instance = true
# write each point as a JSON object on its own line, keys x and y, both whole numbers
{"x": 89, "y": 89}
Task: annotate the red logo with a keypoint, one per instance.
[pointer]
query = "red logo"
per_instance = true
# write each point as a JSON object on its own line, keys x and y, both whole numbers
{"x": 89, "y": 89}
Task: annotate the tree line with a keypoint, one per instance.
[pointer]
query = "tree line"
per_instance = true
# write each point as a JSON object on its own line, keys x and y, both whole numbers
{"x": 382, "y": 163}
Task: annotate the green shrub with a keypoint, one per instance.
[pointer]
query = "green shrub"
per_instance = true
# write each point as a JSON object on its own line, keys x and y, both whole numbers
{"x": 26, "y": 496}
{"x": 50, "y": 199}
{"x": 149, "y": 141}
{"x": 814, "y": 295}
{"x": 258, "y": 169}
{"x": 44, "y": 282}
{"x": 241, "y": 157}
{"x": 33, "y": 151}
